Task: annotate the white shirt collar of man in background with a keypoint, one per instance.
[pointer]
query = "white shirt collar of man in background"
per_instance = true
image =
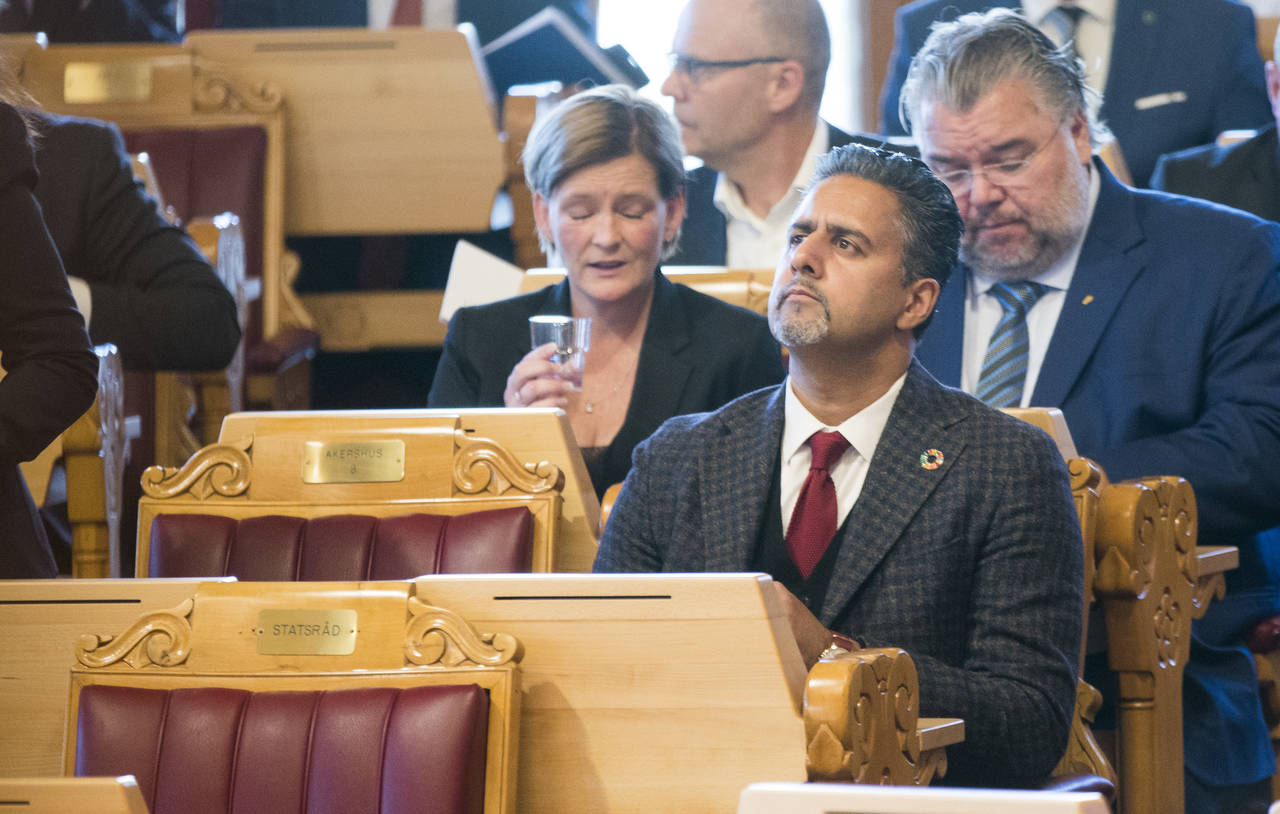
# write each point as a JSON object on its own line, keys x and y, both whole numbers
{"x": 1093, "y": 37}
{"x": 862, "y": 430}
{"x": 755, "y": 242}
{"x": 983, "y": 312}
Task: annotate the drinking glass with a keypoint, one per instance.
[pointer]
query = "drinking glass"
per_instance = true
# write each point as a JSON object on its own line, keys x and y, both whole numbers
{"x": 572, "y": 338}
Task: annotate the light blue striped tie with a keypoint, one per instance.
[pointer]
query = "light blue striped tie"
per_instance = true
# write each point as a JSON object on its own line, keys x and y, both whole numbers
{"x": 1004, "y": 368}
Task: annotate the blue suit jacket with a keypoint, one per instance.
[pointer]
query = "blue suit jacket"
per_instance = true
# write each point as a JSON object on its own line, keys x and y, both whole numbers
{"x": 1166, "y": 360}
{"x": 1205, "y": 49}
{"x": 967, "y": 566}
{"x": 702, "y": 237}
{"x": 1244, "y": 175}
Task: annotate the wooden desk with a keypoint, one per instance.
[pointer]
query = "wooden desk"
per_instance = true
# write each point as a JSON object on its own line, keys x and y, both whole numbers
{"x": 647, "y": 693}
{"x": 41, "y": 620}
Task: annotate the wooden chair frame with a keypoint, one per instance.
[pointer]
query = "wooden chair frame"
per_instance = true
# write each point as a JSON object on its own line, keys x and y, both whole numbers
{"x": 93, "y": 450}
{"x": 145, "y": 86}
{"x": 397, "y": 641}
{"x": 1152, "y": 580}
{"x": 446, "y": 471}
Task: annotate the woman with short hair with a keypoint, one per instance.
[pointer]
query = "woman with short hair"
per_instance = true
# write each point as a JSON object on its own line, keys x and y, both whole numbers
{"x": 607, "y": 173}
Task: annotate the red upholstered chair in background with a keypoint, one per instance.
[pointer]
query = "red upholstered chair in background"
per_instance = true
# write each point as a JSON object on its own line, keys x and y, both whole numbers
{"x": 204, "y": 171}
{"x": 341, "y": 547}
{"x": 340, "y": 698}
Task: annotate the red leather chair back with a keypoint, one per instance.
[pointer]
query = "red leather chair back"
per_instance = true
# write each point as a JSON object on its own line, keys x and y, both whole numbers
{"x": 229, "y": 751}
{"x": 341, "y": 547}
{"x": 206, "y": 171}
{"x": 201, "y": 14}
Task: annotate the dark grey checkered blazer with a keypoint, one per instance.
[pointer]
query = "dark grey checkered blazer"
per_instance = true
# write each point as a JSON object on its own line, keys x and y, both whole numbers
{"x": 974, "y": 567}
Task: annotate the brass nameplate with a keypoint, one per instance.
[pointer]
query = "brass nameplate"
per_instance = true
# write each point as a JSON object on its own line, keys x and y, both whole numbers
{"x": 88, "y": 83}
{"x": 306, "y": 632}
{"x": 353, "y": 462}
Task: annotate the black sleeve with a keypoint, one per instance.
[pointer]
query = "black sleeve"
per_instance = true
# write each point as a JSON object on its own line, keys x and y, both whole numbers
{"x": 51, "y": 371}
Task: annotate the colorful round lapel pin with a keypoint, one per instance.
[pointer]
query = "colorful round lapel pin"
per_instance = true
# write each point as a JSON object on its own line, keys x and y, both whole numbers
{"x": 931, "y": 459}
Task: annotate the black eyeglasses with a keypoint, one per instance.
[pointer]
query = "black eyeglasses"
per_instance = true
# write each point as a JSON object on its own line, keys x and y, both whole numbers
{"x": 698, "y": 69}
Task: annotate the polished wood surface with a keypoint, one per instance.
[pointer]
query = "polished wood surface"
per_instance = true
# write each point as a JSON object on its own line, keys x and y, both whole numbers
{"x": 829, "y": 798}
{"x": 1151, "y": 580}
{"x": 211, "y": 639}
{"x": 389, "y": 131}
{"x": 647, "y": 693}
{"x": 42, "y": 620}
{"x": 444, "y": 470}
{"x": 65, "y": 795}
{"x": 747, "y": 288}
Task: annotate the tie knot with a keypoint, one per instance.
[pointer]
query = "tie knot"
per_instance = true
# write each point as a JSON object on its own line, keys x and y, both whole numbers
{"x": 826, "y": 449}
{"x": 1019, "y": 295}
{"x": 1072, "y": 12}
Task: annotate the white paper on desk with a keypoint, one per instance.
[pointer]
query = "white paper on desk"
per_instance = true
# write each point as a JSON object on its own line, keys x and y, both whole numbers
{"x": 477, "y": 277}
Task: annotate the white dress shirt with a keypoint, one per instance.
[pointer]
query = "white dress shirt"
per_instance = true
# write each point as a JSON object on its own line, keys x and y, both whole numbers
{"x": 862, "y": 430}
{"x": 1093, "y": 37}
{"x": 753, "y": 242}
{"x": 982, "y": 312}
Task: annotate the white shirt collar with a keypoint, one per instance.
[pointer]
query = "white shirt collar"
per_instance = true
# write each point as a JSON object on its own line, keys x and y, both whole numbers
{"x": 862, "y": 430}
{"x": 729, "y": 201}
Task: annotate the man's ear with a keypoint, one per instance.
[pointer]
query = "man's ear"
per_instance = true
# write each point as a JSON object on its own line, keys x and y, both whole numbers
{"x": 921, "y": 297}
{"x": 786, "y": 85}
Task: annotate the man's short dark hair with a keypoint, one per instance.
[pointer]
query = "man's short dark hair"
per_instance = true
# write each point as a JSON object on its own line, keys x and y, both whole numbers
{"x": 931, "y": 224}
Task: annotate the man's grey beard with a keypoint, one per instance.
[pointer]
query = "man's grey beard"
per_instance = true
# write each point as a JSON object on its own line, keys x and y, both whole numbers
{"x": 795, "y": 331}
{"x": 1068, "y": 220}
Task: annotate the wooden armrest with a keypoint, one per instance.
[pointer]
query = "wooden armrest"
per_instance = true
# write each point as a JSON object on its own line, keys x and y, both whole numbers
{"x": 285, "y": 349}
{"x": 938, "y": 733}
{"x": 859, "y": 710}
{"x": 1215, "y": 559}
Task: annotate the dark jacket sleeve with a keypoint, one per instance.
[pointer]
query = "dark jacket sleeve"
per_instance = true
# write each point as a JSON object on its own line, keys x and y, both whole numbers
{"x": 457, "y": 379}
{"x": 153, "y": 294}
{"x": 51, "y": 371}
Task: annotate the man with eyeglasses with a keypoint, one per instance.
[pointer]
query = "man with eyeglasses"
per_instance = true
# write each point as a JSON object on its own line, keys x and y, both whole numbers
{"x": 1152, "y": 320}
{"x": 1175, "y": 73}
{"x": 747, "y": 78}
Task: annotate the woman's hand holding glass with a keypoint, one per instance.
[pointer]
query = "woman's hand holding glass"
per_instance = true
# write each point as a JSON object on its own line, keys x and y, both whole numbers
{"x": 537, "y": 381}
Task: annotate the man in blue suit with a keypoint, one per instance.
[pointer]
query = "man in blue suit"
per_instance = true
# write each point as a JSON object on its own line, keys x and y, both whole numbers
{"x": 1174, "y": 73}
{"x": 1152, "y": 320}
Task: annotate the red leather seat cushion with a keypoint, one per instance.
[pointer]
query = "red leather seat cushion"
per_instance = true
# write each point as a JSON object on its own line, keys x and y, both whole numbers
{"x": 208, "y": 171}
{"x": 238, "y": 752}
{"x": 341, "y": 547}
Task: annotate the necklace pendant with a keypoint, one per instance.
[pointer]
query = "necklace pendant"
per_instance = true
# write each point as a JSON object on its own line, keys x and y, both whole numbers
{"x": 589, "y": 407}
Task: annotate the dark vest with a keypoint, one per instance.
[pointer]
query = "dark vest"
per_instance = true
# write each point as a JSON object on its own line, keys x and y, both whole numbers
{"x": 772, "y": 558}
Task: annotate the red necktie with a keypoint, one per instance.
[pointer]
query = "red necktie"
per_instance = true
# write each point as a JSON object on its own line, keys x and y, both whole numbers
{"x": 407, "y": 12}
{"x": 813, "y": 523}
